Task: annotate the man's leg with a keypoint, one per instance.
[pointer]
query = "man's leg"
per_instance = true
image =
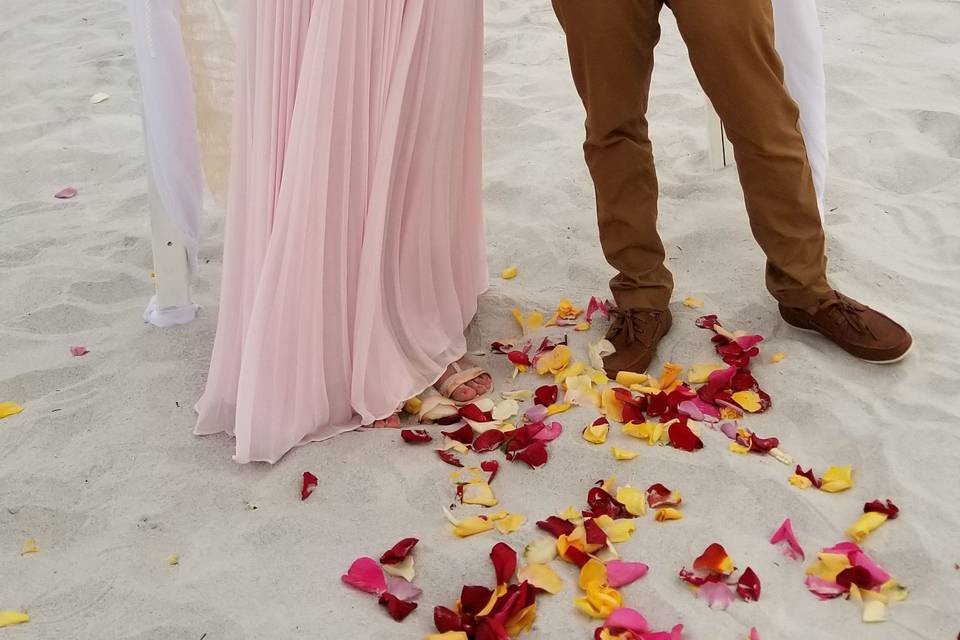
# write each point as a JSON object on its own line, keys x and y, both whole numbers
{"x": 731, "y": 46}
{"x": 611, "y": 53}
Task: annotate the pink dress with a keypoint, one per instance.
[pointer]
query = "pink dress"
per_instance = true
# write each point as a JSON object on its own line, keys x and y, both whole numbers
{"x": 355, "y": 247}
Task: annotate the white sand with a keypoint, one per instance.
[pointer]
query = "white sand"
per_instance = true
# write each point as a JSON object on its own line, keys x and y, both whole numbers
{"x": 102, "y": 470}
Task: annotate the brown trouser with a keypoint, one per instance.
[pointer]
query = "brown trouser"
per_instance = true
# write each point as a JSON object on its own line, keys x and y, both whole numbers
{"x": 731, "y": 46}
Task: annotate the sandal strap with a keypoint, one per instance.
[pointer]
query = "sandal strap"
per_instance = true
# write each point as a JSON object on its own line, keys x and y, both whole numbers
{"x": 461, "y": 377}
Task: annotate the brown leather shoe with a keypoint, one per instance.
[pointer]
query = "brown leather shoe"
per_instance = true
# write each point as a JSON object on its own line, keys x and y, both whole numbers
{"x": 855, "y": 328}
{"x": 635, "y": 333}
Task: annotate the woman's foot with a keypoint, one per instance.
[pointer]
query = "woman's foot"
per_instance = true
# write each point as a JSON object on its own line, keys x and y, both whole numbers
{"x": 464, "y": 382}
{"x": 393, "y": 422}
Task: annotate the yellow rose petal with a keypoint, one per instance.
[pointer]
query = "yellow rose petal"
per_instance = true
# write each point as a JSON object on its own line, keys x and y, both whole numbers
{"x": 736, "y": 447}
{"x": 173, "y": 560}
{"x": 837, "y": 479}
{"x": 413, "y": 406}
{"x": 9, "y": 409}
{"x": 777, "y": 357}
{"x": 510, "y": 524}
{"x": 600, "y": 602}
{"x": 554, "y": 409}
{"x": 509, "y": 273}
{"x": 449, "y": 635}
{"x": 800, "y": 482}
{"x": 865, "y": 525}
{"x": 610, "y": 406}
{"x": 479, "y": 493}
{"x": 570, "y": 371}
{"x": 582, "y": 326}
{"x": 635, "y": 500}
{"x": 616, "y": 530}
{"x": 534, "y": 320}
{"x": 593, "y": 574}
{"x": 542, "y": 577}
{"x": 30, "y": 546}
{"x": 404, "y": 569}
{"x": 623, "y": 454}
{"x": 670, "y": 374}
{"x": 749, "y": 400}
{"x": 522, "y": 621}
{"x": 692, "y": 302}
{"x": 596, "y": 433}
{"x": 472, "y": 526}
{"x": 554, "y": 361}
{"x": 540, "y": 551}
{"x": 668, "y": 513}
{"x": 10, "y": 618}
{"x": 652, "y": 432}
{"x": 629, "y": 378}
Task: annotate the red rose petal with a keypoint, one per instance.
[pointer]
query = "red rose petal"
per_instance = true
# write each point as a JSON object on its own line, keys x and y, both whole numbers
{"x": 79, "y": 351}
{"x": 519, "y": 358}
{"x": 504, "y": 562}
{"x": 546, "y": 395}
{"x": 491, "y": 467}
{"x": 310, "y": 483}
{"x": 595, "y": 534}
{"x": 660, "y": 496}
{"x": 490, "y": 629}
{"x": 556, "y": 526}
{"x": 683, "y": 438}
{"x": 891, "y": 510}
{"x": 859, "y": 576}
{"x": 473, "y": 599}
{"x": 576, "y": 556}
{"x": 707, "y": 322}
{"x": 397, "y": 608}
{"x": 489, "y": 441}
{"x": 748, "y": 586}
{"x": 712, "y": 559}
{"x": 463, "y": 435}
{"x": 399, "y": 552}
{"x": 535, "y": 455}
{"x": 473, "y": 412}
{"x": 808, "y": 474}
{"x": 449, "y": 458}
{"x": 66, "y": 193}
{"x": 445, "y": 620}
{"x": 415, "y": 436}
{"x": 603, "y": 504}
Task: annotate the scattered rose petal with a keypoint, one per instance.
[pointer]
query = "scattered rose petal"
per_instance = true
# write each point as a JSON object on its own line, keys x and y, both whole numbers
{"x": 748, "y": 586}
{"x": 627, "y": 619}
{"x": 633, "y": 499}
{"x": 397, "y": 608}
{"x": 549, "y": 432}
{"x": 504, "y": 560}
{"x": 79, "y": 351}
{"x": 30, "y": 546}
{"x": 509, "y": 273}
{"x": 66, "y": 193}
{"x": 681, "y": 437}
{"x": 777, "y": 357}
{"x": 10, "y": 618}
{"x": 623, "y": 454}
{"x": 405, "y": 569}
{"x": 310, "y": 483}
{"x": 717, "y": 595}
{"x": 489, "y": 441}
{"x": 556, "y": 526}
{"x": 748, "y": 400}
{"x": 399, "y": 552}
{"x": 491, "y": 467}
{"x": 596, "y": 305}
{"x": 889, "y": 509}
{"x": 403, "y": 589}
{"x": 9, "y": 409}
{"x": 97, "y": 98}
{"x": 621, "y": 573}
{"x": 463, "y": 435}
{"x": 866, "y": 524}
{"x": 791, "y": 548}
{"x": 505, "y": 410}
{"x": 173, "y": 560}
{"x": 692, "y": 302}
{"x": 668, "y": 513}
{"x": 660, "y": 496}
{"x": 837, "y": 479}
{"x": 540, "y": 551}
{"x": 541, "y": 576}
{"x": 596, "y": 433}
{"x": 366, "y": 575}
{"x": 415, "y": 436}
{"x": 599, "y": 350}
{"x": 510, "y": 523}
{"x": 449, "y": 458}
{"x": 714, "y": 559}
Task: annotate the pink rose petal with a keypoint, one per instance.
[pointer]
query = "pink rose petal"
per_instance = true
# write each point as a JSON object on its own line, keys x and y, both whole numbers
{"x": 79, "y": 351}
{"x": 748, "y": 342}
{"x": 717, "y": 594}
{"x": 549, "y": 432}
{"x": 691, "y": 409}
{"x": 621, "y": 573}
{"x": 365, "y": 574}
{"x": 754, "y": 634}
{"x": 66, "y": 193}
{"x": 675, "y": 634}
{"x": 824, "y": 590}
{"x": 628, "y": 619}
{"x": 792, "y": 548}
{"x": 536, "y": 413}
{"x": 403, "y": 590}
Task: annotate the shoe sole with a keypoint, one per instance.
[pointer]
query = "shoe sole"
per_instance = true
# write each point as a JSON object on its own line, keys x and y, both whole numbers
{"x": 877, "y": 362}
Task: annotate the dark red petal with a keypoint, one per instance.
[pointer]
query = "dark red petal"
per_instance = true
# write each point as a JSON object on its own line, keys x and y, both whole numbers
{"x": 463, "y": 435}
{"x": 398, "y": 552}
{"x": 546, "y": 395}
{"x": 657, "y": 404}
{"x": 398, "y": 609}
{"x": 519, "y": 358}
{"x": 763, "y": 445}
{"x": 691, "y": 578}
{"x": 595, "y": 534}
{"x": 632, "y": 413}
{"x": 446, "y": 620}
{"x": 449, "y": 458}
{"x": 660, "y": 496}
{"x": 414, "y": 436}
{"x": 711, "y": 558}
{"x": 534, "y": 455}
{"x": 576, "y": 556}
{"x": 748, "y": 586}
{"x": 473, "y": 599}
{"x": 491, "y": 467}
{"x": 501, "y": 347}
{"x": 309, "y": 484}
{"x": 603, "y": 504}
{"x": 473, "y": 412}
{"x": 855, "y": 575}
{"x": 556, "y": 526}
{"x": 489, "y": 441}
{"x": 446, "y": 421}
{"x": 890, "y": 509}
{"x": 504, "y": 562}
{"x": 808, "y": 474}
{"x": 683, "y": 438}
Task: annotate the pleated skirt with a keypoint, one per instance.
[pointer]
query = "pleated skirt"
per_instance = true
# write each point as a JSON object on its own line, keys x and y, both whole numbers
{"x": 354, "y": 251}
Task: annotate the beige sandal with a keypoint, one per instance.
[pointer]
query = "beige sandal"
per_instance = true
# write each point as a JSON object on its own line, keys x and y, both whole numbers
{"x": 460, "y": 378}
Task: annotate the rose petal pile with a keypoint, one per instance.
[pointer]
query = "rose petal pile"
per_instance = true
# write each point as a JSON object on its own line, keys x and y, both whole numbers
{"x": 846, "y": 570}
{"x": 390, "y": 580}
{"x": 712, "y": 579}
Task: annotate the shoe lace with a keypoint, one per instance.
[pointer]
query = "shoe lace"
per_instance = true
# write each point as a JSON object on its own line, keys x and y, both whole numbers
{"x": 848, "y": 313}
{"x": 636, "y": 325}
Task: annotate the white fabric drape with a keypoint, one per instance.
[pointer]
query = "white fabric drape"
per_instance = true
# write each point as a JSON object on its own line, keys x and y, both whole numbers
{"x": 800, "y": 43}
{"x": 170, "y": 124}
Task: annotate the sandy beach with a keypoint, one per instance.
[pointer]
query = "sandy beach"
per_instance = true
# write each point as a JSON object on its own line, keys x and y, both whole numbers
{"x": 101, "y": 468}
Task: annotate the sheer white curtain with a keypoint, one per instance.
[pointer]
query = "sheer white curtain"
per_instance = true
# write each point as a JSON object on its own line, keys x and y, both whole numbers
{"x": 800, "y": 43}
